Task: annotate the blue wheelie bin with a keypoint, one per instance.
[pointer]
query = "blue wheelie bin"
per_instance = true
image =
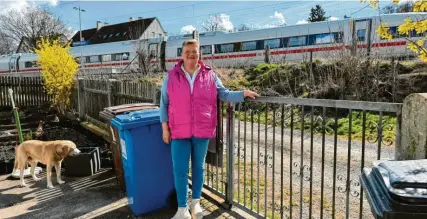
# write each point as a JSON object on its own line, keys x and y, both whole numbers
{"x": 146, "y": 160}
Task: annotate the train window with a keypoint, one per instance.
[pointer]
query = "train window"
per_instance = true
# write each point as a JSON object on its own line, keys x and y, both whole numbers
{"x": 297, "y": 41}
{"x": 106, "y": 58}
{"x": 361, "y": 35}
{"x": 260, "y": 45}
{"x": 224, "y": 48}
{"x": 339, "y": 37}
{"x": 249, "y": 46}
{"x": 285, "y": 42}
{"x": 393, "y": 31}
{"x": 178, "y": 52}
{"x": 125, "y": 56}
{"x": 273, "y": 43}
{"x": 206, "y": 50}
{"x": 324, "y": 38}
{"x": 94, "y": 59}
{"x": 28, "y": 64}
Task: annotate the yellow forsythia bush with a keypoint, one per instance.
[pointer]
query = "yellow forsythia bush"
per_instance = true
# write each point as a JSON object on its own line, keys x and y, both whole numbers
{"x": 58, "y": 69}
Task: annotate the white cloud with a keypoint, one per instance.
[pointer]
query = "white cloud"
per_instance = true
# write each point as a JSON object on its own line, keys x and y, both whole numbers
{"x": 279, "y": 17}
{"x": 187, "y": 29}
{"x": 302, "y": 22}
{"x": 18, "y": 5}
{"x": 224, "y": 21}
{"x": 53, "y": 2}
{"x": 333, "y": 18}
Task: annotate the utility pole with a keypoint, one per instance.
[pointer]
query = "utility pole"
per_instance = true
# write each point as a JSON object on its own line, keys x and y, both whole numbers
{"x": 80, "y": 20}
{"x": 81, "y": 38}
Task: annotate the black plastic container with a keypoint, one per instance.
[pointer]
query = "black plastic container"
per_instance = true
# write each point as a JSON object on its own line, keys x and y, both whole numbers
{"x": 87, "y": 163}
{"x": 397, "y": 189}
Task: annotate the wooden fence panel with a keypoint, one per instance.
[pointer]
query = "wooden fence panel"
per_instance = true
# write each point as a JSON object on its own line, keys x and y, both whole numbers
{"x": 27, "y": 91}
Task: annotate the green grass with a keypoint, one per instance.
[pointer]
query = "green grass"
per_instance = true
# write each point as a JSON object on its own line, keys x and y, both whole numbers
{"x": 343, "y": 126}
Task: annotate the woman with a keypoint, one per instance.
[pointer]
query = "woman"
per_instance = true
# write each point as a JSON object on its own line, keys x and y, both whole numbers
{"x": 189, "y": 118}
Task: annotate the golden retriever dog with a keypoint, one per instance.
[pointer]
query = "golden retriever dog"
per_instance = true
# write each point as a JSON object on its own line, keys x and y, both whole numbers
{"x": 49, "y": 153}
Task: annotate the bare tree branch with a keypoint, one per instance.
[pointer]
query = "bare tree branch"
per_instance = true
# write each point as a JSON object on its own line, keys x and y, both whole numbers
{"x": 31, "y": 25}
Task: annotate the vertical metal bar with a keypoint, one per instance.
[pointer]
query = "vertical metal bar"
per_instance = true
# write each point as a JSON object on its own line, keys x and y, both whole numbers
{"x": 252, "y": 157}
{"x": 222, "y": 158}
{"x": 398, "y": 125}
{"x": 230, "y": 154}
{"x": 219, "y": 142}
{"x": 258, "y": 160}
{"x": 274, "y": 158}
{"x": 323, "y": 161}
{"x": 244, "y": 160}
{"x": 363, "y": 160}
{"x": 281, "y": 161}
{"x": 265, "y": 161}
{"x": 238, "y": 156}
{"x": 347, "y": 210}
{"x": 380, "y": 135}
{"x": 335, "y": 163}
{"x": 290, "y": 161}
{"x": 301, "y": 169}
{"x": 311, "y": 162}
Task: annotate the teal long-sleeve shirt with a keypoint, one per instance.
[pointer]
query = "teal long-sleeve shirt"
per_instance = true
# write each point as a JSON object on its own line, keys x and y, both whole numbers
{"x": 223, "y": 94}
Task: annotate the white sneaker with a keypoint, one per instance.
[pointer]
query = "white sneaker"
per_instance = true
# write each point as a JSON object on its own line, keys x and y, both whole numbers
{"x": 182, "y": 213}
{"x": 196, "y": 209}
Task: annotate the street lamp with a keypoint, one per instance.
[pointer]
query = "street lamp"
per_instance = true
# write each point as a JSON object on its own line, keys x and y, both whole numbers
{"x": 80, "y": 20}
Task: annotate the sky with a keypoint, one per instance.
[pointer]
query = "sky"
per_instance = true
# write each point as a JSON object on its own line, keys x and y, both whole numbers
{"x": 177, "y": 17}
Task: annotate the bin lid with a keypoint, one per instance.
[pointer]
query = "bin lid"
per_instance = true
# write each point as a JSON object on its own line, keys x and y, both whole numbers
{"x": 109, "y": 112}
{"x": 129, "y": 107}
{"x": 136, "y": 119}
{"x": 406, "y": 174}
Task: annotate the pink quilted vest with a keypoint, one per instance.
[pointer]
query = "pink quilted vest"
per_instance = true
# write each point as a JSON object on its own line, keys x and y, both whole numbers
{"x": 192, "y": 114}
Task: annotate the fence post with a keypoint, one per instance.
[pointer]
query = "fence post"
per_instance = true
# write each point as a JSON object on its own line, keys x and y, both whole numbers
{"x": 412, "y": 141}
{"x": 81, "y": 98}
{"x": 109, "y": 93}
{"x": 154, "y": 93}
{"x": 267, "y": 54}
{"x": 229, "y": 193}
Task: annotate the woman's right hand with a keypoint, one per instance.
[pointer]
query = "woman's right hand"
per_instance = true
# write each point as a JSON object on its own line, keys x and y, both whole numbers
{"x": 166, "y": 135}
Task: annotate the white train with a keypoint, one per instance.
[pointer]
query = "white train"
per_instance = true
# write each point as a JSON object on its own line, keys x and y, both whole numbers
{"x": 220, "y": 49}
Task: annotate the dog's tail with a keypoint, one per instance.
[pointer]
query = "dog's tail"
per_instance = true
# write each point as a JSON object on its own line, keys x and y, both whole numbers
{"x": 15, "y": 165}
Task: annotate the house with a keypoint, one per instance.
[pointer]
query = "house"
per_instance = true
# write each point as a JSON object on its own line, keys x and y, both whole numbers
{"x": 26, "y": 44}
{"x": 134, "y": 29}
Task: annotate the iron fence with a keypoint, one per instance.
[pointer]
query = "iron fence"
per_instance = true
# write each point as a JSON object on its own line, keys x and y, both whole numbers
{"x": 300, "y": 158}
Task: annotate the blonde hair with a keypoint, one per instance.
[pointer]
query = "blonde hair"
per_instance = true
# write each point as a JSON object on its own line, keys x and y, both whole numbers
{"x": 190, "y": 42}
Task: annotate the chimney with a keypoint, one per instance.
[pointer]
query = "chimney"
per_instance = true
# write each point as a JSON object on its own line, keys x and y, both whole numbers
{"x": 105, "y": 24}
{"x": 131, "y": 19}
{"x": 98, "y": 25}
{"x": 139, "y": 18}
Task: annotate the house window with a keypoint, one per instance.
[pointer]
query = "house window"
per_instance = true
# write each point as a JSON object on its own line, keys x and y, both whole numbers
{"x": 178, "y": 52}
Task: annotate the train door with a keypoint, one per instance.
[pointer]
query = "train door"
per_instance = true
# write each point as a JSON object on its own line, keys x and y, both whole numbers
{"x": 14, "y": 64}
{"x": 163, "y": 56}
{"x": 361, "y": 36}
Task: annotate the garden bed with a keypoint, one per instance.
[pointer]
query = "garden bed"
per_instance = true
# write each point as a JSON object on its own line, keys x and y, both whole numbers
{"x": 65, "y": 129}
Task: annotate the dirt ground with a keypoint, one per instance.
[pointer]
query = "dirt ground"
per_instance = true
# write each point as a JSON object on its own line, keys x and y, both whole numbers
{"x": 97, "y": 196}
